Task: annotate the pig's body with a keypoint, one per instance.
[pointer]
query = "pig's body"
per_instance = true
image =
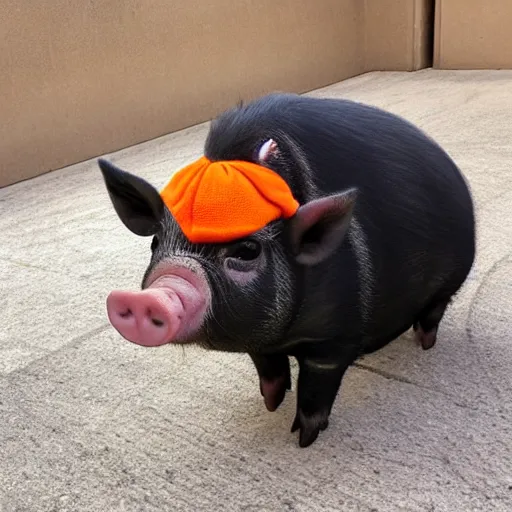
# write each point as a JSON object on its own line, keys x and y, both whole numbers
{"x": 408, "y": 245}
{"x": 411, "y": 241}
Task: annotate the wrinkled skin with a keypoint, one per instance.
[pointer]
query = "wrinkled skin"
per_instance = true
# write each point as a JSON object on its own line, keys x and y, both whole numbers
{"x": 366, "y": 257}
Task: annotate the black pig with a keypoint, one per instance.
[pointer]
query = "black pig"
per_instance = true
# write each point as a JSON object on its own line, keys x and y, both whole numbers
{"x": 383, "y": 239}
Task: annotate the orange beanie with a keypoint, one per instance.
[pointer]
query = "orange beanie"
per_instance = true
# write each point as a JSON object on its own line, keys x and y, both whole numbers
{"x": 215, "y": 202}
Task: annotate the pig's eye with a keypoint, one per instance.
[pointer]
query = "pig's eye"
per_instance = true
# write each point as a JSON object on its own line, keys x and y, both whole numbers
{"x": 245, "y": 251}
{"x": 154, "y": 243}
{"x": 242, "y": 261}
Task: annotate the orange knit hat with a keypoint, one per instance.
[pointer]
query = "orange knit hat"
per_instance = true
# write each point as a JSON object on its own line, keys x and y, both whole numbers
{"x": 215, "y": 202}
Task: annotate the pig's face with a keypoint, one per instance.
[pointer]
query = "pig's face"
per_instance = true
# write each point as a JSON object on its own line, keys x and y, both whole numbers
{"x": 239, "y": 296}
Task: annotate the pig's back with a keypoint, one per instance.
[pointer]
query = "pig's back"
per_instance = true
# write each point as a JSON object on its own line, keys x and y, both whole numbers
{"x": 348, "y": 144}
{"x": 414, "y": 209}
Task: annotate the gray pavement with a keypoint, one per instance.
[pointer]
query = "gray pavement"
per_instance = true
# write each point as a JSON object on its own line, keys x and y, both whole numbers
{"x": 90, "y": 422}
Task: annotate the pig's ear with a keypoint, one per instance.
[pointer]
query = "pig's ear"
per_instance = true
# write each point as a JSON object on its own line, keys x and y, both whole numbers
{"x": 267, "y": 151}
{"x": 318, "y": 227}
{"x": 137, "y": 203}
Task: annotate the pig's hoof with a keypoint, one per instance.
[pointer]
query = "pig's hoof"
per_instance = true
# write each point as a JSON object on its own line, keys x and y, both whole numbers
{"x": 274, "y": 390}
{"x": 426, "y": 339}
{"x": 309, "y": 427}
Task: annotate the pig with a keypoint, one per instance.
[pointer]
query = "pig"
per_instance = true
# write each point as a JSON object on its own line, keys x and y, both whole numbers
{"x": 382, "y": 241}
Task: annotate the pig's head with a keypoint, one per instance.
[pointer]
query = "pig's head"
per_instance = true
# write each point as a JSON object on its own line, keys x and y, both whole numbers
{"x": 239, "y": 295}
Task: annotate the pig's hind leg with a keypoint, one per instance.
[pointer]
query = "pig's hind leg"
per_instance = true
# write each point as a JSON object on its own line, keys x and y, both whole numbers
{"x": 427, "y": 323}
{"x": 274, "y": 373}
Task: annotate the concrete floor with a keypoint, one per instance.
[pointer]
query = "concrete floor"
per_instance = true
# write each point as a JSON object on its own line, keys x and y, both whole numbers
{"x": 90, "y": 422}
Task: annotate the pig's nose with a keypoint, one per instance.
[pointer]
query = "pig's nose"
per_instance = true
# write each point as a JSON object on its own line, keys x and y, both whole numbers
{"x": 147, "y": 317}
{"x": 127, "y": 315}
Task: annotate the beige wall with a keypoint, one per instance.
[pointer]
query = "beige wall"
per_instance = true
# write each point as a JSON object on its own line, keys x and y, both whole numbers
{"x": 473, "y": 34}
{"x": 84, "y": 78}
{"x": 398, "y": 34}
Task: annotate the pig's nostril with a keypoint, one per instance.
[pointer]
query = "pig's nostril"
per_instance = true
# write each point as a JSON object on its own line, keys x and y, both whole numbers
{"x": 125, "y": 314}
{"x": 156, "y": 322}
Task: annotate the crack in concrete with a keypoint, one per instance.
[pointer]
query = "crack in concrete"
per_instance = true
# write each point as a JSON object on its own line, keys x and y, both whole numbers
{"x": 385, "y": 374}
{"x": 484, "y": 281}
{"x": 405, "y": 380}
{"x": 53, "y": 271}
{"x": 73, "y": 343}
{"x": 23, "y": 264}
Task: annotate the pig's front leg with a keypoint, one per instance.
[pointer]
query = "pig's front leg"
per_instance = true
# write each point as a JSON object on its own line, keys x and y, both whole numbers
{"x": 274, "y": 373}
{"x": 318, "y": 384}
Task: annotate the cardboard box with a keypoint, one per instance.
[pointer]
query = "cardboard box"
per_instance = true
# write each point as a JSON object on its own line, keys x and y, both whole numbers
{"x": 473, "y": 34}
{"x": 80, "y": 79}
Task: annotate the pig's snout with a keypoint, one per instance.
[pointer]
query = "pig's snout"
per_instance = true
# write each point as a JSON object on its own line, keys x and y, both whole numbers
{"x": 148, "y": 318}
{"x": 171, "y": 309}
